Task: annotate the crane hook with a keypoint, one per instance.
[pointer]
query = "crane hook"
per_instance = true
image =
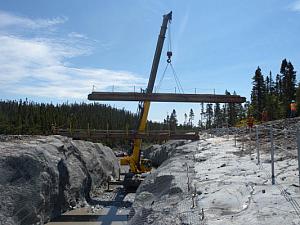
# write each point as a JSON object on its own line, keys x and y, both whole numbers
{"x": 169, "y": 54}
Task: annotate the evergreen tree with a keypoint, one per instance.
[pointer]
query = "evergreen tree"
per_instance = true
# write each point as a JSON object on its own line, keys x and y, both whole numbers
{"x": 167, "y": 123}
{"x": 218, "y": 116}
{"x": 258, "y": 94}
{"x": 173, "y": 120}
{"x": 202, "y": 115}
{"x": 200, "y": 125}
{"x": 185, "y": 123}
{"x": 191, "y": 118}
{"x": 231, "y": 111}
{"x": 278, "y": 87}
{"x": 210, "y": 114}
{"x": 288, "y": 84}
{"x": 271, "y": 88}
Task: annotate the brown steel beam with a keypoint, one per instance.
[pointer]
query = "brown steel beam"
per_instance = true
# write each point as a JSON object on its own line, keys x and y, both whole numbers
{"x": 164, "y": 97}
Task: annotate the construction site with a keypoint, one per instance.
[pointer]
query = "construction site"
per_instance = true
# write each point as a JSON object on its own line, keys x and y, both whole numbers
{"x": 248, "y": 173}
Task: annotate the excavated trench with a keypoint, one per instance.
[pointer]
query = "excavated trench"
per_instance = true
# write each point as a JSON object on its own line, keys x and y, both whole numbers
{"x": 115, "y": 207}
{"x": 59, "y": 179}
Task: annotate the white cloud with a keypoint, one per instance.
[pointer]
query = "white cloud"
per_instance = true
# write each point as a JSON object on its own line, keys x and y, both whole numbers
{"x": 295, "y": 6}
{"x": 77, "y": 35}
{"x": 41, "y": 66}
{"x": 9, "y": 20}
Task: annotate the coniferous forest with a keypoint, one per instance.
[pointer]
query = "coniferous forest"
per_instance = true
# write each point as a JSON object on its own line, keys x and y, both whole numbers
{"x": 23, "y": 117}
{"x": 274, "y": 94}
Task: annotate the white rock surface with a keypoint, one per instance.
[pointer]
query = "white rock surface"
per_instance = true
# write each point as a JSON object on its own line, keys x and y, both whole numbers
{"x": 210, "y": 182}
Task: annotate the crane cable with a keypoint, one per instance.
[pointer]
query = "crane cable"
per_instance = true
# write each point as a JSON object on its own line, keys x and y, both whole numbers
{"x": 169, "y": 55}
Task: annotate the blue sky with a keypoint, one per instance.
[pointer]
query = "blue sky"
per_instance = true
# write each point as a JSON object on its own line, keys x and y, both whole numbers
{"x": 57, "y": 50}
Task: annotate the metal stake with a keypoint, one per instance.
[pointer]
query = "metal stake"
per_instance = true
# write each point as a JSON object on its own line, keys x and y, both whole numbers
{"x": 298, "y": 145}
{"x": 257, "y": 145}
{"x": 250, "y": 141}
{"x": 243, "y": 142}
{"x": 235, "y": 138}
{"x": 119, "y": 176}
{"x": 188, "y": 179}
{"x": 272, "y": 155}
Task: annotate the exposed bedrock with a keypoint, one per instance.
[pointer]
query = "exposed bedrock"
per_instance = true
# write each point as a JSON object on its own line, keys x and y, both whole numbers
{"x": 44, "y": 176}
{"x": 160, "y": 153}
{"x": 159, "y": 198}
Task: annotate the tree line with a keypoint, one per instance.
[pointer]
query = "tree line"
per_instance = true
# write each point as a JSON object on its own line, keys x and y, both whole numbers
{"x": 271, "y": 95}
{"x": 27, "y": 117}
{"x": 211, "y": 116}
{"x": 274, "y": 95}
{"x": 24, "y": 117}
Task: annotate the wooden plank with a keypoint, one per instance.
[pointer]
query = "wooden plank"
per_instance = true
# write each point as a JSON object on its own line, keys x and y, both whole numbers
{"x": 164, "y": 97}
{"x": 102, "y": 134}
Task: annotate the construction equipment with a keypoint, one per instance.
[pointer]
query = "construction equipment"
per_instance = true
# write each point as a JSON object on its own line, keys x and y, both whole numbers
{"x": 136, "y": 164}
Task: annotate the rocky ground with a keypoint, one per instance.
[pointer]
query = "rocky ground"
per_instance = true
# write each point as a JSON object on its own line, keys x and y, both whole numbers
{"x": 214, "y": 181}
{"x": 160, "y": 153}
{"x": 44, "y": 176}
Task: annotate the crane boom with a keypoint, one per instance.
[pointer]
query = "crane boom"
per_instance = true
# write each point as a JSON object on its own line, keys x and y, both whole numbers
{"x": 134, "y": 160}
{"x": 160, "y": 42}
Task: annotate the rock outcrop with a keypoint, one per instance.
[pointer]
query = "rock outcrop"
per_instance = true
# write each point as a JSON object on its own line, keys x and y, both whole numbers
{"x": 43, "y": 176}
{"x": 160, "y": 153}
{"x": 163, "y": 191}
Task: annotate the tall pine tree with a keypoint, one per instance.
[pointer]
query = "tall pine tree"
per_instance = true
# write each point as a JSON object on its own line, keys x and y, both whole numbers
{"x": 288, "y": 84}
{"x": 258, "y": 94}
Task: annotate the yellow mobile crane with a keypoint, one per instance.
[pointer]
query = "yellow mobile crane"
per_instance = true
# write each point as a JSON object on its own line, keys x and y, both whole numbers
{"x": 136, "y": 164}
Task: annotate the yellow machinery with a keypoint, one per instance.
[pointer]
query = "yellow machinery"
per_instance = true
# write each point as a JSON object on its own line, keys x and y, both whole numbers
{"x": 136, "y": 164}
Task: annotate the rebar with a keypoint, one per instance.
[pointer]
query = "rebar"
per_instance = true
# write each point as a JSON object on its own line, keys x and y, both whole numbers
{"x": 298, "y": 148}
{"x": 272, "y": 155}
{"x": 257, "y": 145}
